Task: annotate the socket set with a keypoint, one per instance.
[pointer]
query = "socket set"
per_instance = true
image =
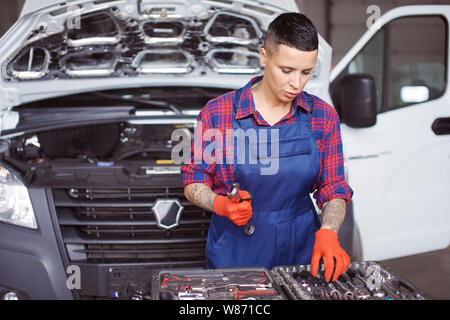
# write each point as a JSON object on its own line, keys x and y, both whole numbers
{"x": 361, "y": 281}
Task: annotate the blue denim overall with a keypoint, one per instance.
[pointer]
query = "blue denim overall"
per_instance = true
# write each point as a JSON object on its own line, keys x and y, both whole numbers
{"x": 283, "y": 214}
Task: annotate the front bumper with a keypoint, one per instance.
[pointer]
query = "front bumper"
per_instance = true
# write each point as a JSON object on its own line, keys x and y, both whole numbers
{"x": 30, "y": 260}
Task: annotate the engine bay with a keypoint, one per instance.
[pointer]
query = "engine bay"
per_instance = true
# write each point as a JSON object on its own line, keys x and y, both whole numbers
{"x": 103, "y": 128}
{"x": 97, "y": 143}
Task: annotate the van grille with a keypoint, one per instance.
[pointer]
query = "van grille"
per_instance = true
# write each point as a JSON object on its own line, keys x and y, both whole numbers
{"x": 114, "y": 225}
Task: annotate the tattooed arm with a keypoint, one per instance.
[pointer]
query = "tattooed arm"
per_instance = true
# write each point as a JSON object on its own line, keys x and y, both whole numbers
{"x": 333, "y": 214}
{"x": 201, "y": 195}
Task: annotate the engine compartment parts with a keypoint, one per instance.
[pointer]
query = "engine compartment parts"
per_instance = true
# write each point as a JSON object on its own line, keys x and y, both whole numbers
{"x": 111, "y": 42}
{"x": 101, "y": 144}
{"x": 217, "y": 284}
{"x": 361, "y": 281}
{"x": 98, "y": 140}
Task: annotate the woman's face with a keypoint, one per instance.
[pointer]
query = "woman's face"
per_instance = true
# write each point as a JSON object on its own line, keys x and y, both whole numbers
{"x": 287, "y": 70}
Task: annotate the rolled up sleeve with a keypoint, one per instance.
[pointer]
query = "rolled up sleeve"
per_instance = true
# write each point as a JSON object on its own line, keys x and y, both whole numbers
{"x": 331, "y": 183}
{"x": 202, "y": 166}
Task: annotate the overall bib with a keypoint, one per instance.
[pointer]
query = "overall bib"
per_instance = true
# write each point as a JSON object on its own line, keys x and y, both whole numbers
{"x": 283, "y": 214}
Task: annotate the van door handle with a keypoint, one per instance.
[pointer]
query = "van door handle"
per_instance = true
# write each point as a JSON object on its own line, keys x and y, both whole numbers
{"x": 441, "y": 126}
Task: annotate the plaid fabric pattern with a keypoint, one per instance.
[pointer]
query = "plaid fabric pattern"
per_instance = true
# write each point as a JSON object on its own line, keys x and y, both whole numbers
{"x": 217, "y": 115}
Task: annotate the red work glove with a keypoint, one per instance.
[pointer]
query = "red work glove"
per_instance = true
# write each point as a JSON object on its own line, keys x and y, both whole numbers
{"x": 238, "y": 212}
{"x": 327, "y": 248}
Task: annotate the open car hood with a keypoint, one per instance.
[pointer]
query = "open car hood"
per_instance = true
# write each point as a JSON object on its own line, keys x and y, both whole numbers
{"x": 31, "y": 6}
{"x": 56, "y": 49}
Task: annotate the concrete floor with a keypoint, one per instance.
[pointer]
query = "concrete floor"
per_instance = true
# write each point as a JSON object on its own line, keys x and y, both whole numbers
{"x": 429, "y": 272}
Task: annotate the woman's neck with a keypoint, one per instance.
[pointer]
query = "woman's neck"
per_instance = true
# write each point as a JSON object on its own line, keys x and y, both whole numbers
{"x": 271, "y": 109}
{"x": 266, "y": 98}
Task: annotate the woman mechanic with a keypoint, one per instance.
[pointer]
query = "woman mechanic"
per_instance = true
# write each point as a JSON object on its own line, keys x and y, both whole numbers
{"x": 309, "y": 158}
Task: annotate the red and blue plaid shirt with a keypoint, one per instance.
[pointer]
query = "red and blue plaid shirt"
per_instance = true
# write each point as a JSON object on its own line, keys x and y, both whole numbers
{"x": 217, "y": 114}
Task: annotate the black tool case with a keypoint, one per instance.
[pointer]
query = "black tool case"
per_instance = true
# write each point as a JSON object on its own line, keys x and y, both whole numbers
{"x": 251, "y": 283}
{"x": 361, "y": 281}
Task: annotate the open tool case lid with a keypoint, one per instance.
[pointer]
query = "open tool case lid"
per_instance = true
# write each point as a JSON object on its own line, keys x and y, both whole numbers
{"x": 362, "y": 281}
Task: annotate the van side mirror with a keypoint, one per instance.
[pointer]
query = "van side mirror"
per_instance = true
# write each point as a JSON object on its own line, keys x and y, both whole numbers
{"x": 358, "y": 100}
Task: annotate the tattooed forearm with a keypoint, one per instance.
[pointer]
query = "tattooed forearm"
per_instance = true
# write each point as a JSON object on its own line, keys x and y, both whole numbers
{"x": 333, "y": 214}
{"x": 201, "y": 195}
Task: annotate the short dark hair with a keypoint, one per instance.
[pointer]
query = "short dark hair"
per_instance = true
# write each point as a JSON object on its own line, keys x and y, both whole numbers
{"x": 292, "y": 29}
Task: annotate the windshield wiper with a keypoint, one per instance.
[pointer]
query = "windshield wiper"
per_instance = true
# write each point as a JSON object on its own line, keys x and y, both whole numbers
{"x": 152, "y": 103}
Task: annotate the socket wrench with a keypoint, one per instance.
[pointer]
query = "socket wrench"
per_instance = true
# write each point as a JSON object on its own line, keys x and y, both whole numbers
{"x": 249, "y": 228}
{"x": 359, "y": 292}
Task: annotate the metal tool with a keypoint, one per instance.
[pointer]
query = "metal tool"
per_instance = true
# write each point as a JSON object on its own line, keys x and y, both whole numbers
{"x": 390, "y": 292}
{"x": 333, "y": 292}
{"x": 330, "y": 291}
{"x": 301, "y": 289}
{"x": 316, "y": 286}
{"x": 240, "y": 294}
{"x": 404, "y": 290}
{"x": 252, "y": 277}
{"x": 348, "y": 295}
{"x": 249, "y": 228}
{"x": 374, "y": 285}
{"x": 191, "y": 296}
{"x": 360, "y": 293}
{"x": 176, "y": 282}
{"x": 230, "y": 286}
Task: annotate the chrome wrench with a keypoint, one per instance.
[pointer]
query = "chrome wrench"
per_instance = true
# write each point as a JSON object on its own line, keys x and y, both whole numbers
{"x": 249, "y": 228}
{"x": 348, "y": 295}
{"x": 358, "y": 293}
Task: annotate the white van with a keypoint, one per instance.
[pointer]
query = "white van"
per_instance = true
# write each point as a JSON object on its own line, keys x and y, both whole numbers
{"x": 90, "y": 93}
{"x": 391, "y": 91}
{"x": 91, "y": 90}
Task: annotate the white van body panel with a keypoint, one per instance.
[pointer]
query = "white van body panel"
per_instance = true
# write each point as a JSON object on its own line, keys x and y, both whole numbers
{"x": 399, "y": 168}
{"x": 418, "y": 10}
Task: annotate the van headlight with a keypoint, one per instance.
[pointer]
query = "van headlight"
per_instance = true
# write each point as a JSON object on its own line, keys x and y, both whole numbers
{"x": 15, "y": 204}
